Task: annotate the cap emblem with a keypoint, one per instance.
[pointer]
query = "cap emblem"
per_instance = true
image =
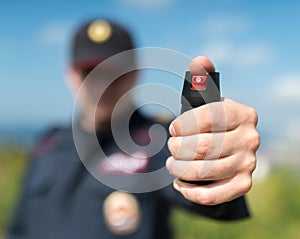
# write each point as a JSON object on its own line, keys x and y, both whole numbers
{"x": 99, "y": 31}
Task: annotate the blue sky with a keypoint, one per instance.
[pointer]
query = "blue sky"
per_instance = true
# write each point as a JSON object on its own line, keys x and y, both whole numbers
{"x": 254, "y": 44}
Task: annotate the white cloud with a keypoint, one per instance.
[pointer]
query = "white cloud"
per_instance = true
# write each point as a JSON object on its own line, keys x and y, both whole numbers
{"x": 225, "y": 48}
{"x": 243, "y": 55}
{"x": 293, "y": 130}
{"x": 287, "y": 88}
{"x": 152, "y": 4}
{"x": 225, "y": 25}
{"x": 287, "y": 150}
{"x": 54, "y": 33}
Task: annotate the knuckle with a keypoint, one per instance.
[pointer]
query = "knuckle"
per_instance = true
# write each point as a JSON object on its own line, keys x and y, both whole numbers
{"x": 206, "y": 118}
{"x": 245, "y": 184}
{"x": 253, "y": 140}
{"x": 251, "y": 164}
{"x": 203, "y": 147}
{"x": 248, "y": 165}
{"x": 252, "y": 116}
{"x": 198, "y": 197}
{"x": 204, "y": 199}
{"x": 256, "y": 140}
{"x": 186, "y": 194}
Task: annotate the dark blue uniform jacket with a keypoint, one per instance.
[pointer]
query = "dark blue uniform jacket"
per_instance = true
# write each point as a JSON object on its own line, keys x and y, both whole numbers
{"x": 61, "y": 200}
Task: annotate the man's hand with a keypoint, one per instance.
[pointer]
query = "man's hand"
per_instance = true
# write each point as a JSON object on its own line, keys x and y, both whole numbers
{"x": 217, "y": 142}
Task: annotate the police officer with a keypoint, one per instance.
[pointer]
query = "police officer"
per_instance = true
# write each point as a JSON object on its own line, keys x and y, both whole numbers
{"x": 61, "y": 199}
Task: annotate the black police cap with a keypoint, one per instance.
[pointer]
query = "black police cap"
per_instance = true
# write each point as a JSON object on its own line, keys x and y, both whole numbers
{"x": 98, "y": 40}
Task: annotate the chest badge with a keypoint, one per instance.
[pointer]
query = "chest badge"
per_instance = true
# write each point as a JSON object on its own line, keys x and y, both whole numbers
{"x": 122, "y": 213}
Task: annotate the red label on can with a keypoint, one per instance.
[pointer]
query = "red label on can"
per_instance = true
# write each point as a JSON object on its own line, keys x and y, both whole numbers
{"x": 199, "y": 82}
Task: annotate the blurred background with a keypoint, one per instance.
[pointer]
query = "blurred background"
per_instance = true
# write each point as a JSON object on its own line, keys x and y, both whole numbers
{"x": 254, "y": 44}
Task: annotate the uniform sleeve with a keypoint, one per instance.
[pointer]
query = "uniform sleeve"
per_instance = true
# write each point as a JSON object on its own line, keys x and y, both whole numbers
{"x": 17, "y": 227}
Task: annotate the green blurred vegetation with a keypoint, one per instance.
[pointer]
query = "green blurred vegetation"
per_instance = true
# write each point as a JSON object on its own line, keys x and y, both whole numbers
{"x": 275, "y": 209}
{"x": 275, "y": 205}
{"x": 13, "y": 161}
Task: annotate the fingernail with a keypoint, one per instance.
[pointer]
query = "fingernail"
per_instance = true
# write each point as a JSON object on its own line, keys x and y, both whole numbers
{"x": 168, "y": 163}
{"x": 176, "y": 186}
{"x": 172, "y": 130}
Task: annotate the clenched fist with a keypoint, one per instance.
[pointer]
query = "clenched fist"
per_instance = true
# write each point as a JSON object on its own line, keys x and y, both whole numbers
{"x": 217, "y": 142}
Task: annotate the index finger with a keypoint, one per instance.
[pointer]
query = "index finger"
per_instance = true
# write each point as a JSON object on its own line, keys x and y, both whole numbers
{"x": 214, "y": 117}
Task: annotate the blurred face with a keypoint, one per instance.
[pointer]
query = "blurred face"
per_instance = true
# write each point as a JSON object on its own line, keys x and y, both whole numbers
{"x": 89, "y": 94}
